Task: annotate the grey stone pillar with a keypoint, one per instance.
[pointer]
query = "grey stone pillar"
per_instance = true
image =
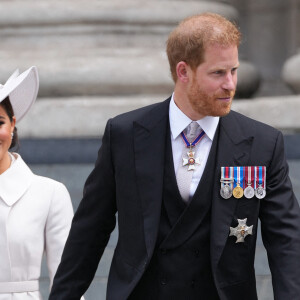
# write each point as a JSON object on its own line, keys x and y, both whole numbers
{"x": 290, "y": 71}
{"x": 271, "y": 35}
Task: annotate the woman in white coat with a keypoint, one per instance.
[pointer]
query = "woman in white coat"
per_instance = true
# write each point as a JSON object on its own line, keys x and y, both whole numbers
{"x": 35, "y": 212}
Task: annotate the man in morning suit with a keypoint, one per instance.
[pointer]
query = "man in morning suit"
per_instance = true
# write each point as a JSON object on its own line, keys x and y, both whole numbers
{"x": 176, "y": 174}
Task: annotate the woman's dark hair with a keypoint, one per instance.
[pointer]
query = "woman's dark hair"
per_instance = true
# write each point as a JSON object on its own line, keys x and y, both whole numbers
{"x": 6, "y": 105}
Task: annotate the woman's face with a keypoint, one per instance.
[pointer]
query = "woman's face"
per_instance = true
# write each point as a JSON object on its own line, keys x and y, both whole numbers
{"x": 6, "y": 129}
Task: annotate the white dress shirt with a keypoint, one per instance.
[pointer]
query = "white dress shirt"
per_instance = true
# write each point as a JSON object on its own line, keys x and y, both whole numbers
{"x": 178, "y": 122}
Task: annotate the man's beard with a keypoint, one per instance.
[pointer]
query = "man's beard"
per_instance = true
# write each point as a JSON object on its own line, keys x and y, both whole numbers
{"x": 209, "y": 105}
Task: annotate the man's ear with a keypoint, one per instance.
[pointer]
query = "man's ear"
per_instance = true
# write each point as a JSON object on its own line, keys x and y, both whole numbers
{"x": 182, "y": 72}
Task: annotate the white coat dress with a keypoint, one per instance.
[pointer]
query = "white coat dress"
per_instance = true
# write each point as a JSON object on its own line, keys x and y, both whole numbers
{"x": 35, "y": 217}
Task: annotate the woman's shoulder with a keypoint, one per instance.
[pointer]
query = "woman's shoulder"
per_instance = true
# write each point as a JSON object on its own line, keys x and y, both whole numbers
{"x": 42, "y": 183}
{"x": 50, "y": 184}
{"x": 47, "y": 180}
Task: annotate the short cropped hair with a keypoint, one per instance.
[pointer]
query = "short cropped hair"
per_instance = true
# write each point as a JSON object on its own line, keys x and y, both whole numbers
{"x": 188, "y": 41}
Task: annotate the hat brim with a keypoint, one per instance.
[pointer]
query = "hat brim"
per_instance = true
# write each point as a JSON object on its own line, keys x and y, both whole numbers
{"x": 22, "y": 91}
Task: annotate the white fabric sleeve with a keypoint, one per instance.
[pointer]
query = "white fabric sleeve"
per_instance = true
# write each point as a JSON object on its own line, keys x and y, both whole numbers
{"x": 57, "y": 227}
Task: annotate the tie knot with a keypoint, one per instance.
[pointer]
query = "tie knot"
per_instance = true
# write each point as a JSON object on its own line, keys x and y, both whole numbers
{"x": 192, "y": 130}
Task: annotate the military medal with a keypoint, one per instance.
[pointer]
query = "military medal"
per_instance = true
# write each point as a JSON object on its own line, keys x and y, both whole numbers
{"x": 191, "y": 160}
{"x": 238, "y": 191}
{"x": 241, "y": 231}
{"x": 226, "y": 182}
{"x": 226, "y": 191}
{"x": 249, "y": 180}
{"x": 260, "y": 192}
{"x": 260, "y": 182}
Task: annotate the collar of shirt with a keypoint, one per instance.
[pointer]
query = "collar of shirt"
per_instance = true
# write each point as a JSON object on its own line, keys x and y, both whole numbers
{"x": 179, "y": 121}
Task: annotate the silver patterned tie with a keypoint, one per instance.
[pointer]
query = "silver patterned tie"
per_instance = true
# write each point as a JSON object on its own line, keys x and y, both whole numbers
{"x": 183, "y": 176}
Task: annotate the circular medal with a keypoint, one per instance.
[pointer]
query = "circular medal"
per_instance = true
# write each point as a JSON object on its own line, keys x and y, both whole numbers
{"x": 260, "y": 192}
{"x": 238, "y": 192}
{"x": 226, "y": 191}
{"x": 249, "y": 192}
{"x": 191, "y": 161}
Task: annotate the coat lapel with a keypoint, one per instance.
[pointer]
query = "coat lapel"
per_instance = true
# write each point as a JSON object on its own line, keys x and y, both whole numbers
{"x": 233, "y": 150}
{"x": 15, "y": 181}
{"x": 176, "y": 205}
{"x": 149, "y": 148}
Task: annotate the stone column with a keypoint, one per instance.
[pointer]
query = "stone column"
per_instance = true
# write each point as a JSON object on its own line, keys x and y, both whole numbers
{"x": 290, "y": 71}
{"x": 268, "y": 39}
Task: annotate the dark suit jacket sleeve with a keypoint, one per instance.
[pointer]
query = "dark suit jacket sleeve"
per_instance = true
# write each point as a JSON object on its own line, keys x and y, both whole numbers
{"x": 91, "y": 227}
{"x": 280, "y": 223}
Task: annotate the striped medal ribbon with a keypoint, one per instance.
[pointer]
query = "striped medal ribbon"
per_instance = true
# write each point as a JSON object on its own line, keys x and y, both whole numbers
{"x": 260, "y": 182}
{"x": 238, "y": 184}
{"x": 249, "y": 181}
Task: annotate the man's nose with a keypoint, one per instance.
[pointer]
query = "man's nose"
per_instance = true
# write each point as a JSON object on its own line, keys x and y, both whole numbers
{"x": 229, "y": 82}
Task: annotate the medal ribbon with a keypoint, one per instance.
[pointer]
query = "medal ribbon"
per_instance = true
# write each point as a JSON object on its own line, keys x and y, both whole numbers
{"x": 255, "y": 176}
{"x": 252, "y": 176}
{"x": 223, "y": 172}
{"x": 223, "y": 175}
{"x": 238, "y": 176}
{"x": 196, "y": 140}
{"x": 264, "y": 176}
{"x": 249, "y": 176}
{"x": 230, "y": 172}
{"x": 226, "y": 175}
{"x": 260, "y": 177}
{"x": 241, "y": 179}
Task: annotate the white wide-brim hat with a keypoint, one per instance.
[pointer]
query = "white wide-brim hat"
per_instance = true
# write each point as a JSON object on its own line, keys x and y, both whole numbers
{"x": 22, "y": 90}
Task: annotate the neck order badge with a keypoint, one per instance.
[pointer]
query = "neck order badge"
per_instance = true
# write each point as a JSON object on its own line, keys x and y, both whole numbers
{"x": 191, "y": 160}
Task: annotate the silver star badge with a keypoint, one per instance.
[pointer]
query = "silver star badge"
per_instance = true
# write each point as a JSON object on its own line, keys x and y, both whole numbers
{"x": 191, "y": 161}
{"x": 241, "y": 231}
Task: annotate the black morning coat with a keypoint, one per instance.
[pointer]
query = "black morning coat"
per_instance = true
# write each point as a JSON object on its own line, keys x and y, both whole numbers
{"x": 128, "y": 180}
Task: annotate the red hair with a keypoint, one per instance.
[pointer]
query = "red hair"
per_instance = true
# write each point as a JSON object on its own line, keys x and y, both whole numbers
{"x": 188, "y": 41}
